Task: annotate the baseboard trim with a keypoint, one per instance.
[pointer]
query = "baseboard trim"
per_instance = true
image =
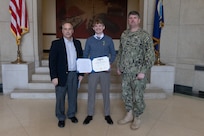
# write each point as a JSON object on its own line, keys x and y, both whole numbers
{"x": 1, "y": 88}
{"x": 187, "y": 90}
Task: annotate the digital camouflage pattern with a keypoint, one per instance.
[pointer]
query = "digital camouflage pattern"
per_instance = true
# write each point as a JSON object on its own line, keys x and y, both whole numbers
{"x": 135, "y": 55}
{"x": 136, "y": 52}
{"x": 132, "y": 94}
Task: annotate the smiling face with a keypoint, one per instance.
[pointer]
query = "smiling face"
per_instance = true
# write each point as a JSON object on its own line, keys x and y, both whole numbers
{"x": 67, "y": 30}
{"x": 98, "y": 28}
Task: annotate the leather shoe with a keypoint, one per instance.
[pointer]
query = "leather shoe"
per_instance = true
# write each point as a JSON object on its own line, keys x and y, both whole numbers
{"x": 73, "y": 119}
{"x": 109, "y": 120}
{"x": 61, "y": 124}
{"x": 87, "y": 120}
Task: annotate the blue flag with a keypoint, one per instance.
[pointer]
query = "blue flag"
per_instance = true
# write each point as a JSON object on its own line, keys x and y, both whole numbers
{"x": 158, "y": 24}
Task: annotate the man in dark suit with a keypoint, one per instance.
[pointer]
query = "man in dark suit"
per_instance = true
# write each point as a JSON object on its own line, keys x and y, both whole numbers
{"x": 62, "y": 65}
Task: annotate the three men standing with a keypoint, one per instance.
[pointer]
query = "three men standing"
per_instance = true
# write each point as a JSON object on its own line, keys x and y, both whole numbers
{"x": 135, "y": 57}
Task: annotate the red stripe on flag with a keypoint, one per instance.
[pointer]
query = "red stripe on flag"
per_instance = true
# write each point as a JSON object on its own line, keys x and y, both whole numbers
{"x": 19, "y": 18}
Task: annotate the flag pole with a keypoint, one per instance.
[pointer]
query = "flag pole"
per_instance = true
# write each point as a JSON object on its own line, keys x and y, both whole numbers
{"x": 157, "y": 51}
{"x": 19, "y": 24}
{"x": 158, "y": 61}
{"x": 18, "y": 59}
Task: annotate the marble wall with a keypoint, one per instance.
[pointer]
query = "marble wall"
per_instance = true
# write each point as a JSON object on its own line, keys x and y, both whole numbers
{"x": 182, "y": 42}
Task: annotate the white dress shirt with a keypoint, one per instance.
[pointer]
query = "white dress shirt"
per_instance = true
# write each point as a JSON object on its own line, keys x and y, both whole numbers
{"x": 99, "y": 37}
{"x": 71, "y": 54}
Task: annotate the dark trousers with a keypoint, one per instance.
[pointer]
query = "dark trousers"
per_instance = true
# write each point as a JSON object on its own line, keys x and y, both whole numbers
{"x": 71, "y": 90}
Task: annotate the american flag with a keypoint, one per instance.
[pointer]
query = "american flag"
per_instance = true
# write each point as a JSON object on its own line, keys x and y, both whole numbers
{"x": 19, "y": 19}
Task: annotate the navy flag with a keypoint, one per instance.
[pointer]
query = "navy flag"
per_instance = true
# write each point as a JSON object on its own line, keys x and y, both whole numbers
{"x": 158, "y": 24}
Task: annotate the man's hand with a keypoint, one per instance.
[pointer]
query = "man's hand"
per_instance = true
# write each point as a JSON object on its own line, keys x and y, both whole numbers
{"x": 80, "y": 78}
{"x": 55, "y": 81}
{"x": 140, "y": 76}
{"x": 118, "y": 71}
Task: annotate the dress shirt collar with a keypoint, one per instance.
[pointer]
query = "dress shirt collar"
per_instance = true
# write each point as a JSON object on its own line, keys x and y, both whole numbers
{"x": 99, "y": 37}
{"x": 67, "y": 40}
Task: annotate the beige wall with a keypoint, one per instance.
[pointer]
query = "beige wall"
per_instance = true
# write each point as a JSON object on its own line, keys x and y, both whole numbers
{"x": 49, "y": 22}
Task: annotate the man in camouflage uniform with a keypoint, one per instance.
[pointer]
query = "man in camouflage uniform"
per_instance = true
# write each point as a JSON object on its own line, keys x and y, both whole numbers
{"x": 135, "y": 57}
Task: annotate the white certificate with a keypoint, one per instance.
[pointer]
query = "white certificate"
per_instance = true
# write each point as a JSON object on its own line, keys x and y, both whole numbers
{"x": 85, "y": 65}
{"x": 101, "y": 64}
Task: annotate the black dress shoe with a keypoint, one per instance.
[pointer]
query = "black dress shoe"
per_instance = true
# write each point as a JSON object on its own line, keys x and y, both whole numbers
{"x": 109, "y": 120}
{"x": 74, "y": 119}
{"x": 87, "y": 120}
{"x": 61, "y": 124}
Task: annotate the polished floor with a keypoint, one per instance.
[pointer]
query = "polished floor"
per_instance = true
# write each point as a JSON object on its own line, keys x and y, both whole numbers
{"x": 178, "y": 115}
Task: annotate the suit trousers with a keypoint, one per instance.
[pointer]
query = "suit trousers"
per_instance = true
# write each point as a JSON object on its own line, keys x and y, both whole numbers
{"x": 71, "y": 90}
{"x": 104, "y": 79}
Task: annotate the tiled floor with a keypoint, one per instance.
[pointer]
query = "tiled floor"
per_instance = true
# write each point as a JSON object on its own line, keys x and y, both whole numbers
{"x": 178, "y": 115}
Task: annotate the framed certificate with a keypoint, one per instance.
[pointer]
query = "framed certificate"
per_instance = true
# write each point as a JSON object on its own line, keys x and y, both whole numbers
{"x": 85, "y": 65}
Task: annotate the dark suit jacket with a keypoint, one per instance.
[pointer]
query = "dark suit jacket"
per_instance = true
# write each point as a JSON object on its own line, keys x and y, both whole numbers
{"x": 58, "y": 63}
